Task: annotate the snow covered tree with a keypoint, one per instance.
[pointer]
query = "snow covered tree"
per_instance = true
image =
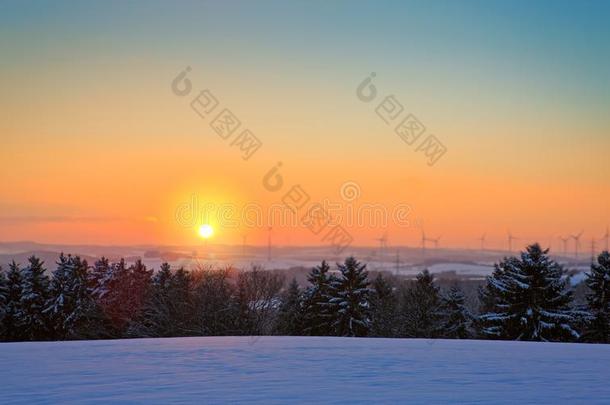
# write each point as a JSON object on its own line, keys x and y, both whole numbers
{"x": 317, "y": 309}
{"x": 33, "y": 322}
{"x": 162, "y": 279}
{"x": 420, "y": 308}
{"x": 73, "y": 312}
{"x": 257, "y": 297}
{"x": 140, "y": 282}
{"x": 11, "y": 327}
{"x": 290, "y": 316}
{"x": 181, "y": 303}
{"x": 384, "y": 308}
{"x": 168, "y": 310}
{"x": 529, "y": 300}
{"x": 598, "y": 301}
{"x": 3, "y": 301}
{"x": 112, "y": 294}
{"x": 490, "y": 293}
{"x": 98, "y": 277}
{"x": 456, "y": 319}
{"x": 351, "y": 300}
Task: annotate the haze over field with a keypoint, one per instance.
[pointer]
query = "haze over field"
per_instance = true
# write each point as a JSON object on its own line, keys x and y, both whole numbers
{"x": 397, "y": 260}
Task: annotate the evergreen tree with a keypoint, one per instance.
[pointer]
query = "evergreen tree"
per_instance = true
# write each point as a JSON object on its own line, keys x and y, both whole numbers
{"x": 181, "y": 302}
{"x": 162, "y": 279}
{"x": 3, "y": 301}
{"x": 490, "y": 296}
{"x": 71, "y": 308}
{"x": 384, "y": 308}
{"x": 155, "y": 319}
{"x": 490, "y": 293}
{"x": 456, "y": 318}
{"x": 529, "y": 300}
{"x": 290, "y": 317}
{"x": 318, "y": 317}
{"x": 421, "y": 308}
{"x": 598, "y": 301}
{"x": 34, "y": 295}
{"x": 168, "y": 310}
{"x": 112, "y": 293}
{"x": 140, "y": 282}
{"x": 351, "y": 300}
{"x": 99, "y": 277}
{"x": 11, "y": 324}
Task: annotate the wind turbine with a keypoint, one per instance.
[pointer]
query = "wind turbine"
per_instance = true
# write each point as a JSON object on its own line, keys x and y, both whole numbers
{"x": 511, "y": 238}
{"x": 425, "y": 239}
{"x": 565, "y": 244}
{"x": 435, "y": 241}
{"x": 592, "y": 250}
{"x": 576, "y": 243}
{"x": 423, "y": 242}
{"x": 383, "y": 244}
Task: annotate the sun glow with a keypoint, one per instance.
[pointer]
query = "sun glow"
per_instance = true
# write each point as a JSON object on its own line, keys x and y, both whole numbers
{"x": 206, "y": 231}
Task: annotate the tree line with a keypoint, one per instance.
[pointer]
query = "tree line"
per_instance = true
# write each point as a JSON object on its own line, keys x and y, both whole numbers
{"x": 525, "y": 298}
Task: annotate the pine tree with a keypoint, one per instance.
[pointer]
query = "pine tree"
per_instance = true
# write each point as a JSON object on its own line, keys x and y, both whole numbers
{"x": 490, "y": 293}
{"x": 71, "y": 307}
{"x": 34, "y": 295}
{"x": 456, "y": 318}
{"x": 3, "y": 301}
{"x": 140, "y": 282}
{"x": 182, "y": 302}
{"x": 598, "y": 301}
{"x": 290, "y": 316}
{"x": 154, "y": 319}
{"x": 11, "y": 324}
{"x": 112, "y": 293}
{"x": 168, "y": 310}
{"x": 317, "y": 309}
{"x": 384, "y": 308}
{"x": 163, "y": 277}
{"x": 530, "y": 300}
{"x": 99, "y": 277}
{"x": 351, "y": 300}
{"x": 421, "y": 308}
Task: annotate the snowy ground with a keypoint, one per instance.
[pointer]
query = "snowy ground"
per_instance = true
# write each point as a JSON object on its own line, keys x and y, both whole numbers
{"x": 281, "y": 370}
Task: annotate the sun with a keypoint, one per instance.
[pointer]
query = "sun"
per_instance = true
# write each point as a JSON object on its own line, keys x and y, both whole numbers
{"x": 206, "y": 231}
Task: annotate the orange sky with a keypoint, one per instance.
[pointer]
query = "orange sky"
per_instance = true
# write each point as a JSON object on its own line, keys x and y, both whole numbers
{"x": 97, "y": 149}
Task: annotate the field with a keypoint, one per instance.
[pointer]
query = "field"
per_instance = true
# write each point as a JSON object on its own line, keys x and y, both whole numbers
{"x": 297, "y": 369}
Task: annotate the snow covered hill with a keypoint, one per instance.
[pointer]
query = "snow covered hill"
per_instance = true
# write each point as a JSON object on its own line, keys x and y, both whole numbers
{"x": 297, "y": 369}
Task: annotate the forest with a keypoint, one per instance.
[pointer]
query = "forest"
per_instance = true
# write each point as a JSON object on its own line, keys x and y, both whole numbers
{"x": 527, "y": 297}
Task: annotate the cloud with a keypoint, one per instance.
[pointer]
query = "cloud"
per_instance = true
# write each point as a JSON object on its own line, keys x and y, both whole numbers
{"x": 58, "y": 219}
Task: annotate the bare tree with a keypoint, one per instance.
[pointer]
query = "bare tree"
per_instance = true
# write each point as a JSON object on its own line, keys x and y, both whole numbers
{"x": 258, "y": 297}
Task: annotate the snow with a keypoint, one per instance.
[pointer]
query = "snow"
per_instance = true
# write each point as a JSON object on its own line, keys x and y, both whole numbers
{"x": 296, "y": 369}
{"x": 462, "y": 269}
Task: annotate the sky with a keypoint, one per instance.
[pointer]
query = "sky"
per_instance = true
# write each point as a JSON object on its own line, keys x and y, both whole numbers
{"x": 96, "y": 147}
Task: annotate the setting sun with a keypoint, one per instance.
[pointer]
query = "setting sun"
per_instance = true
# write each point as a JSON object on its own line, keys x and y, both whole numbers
{"x": 206, "y": 231}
